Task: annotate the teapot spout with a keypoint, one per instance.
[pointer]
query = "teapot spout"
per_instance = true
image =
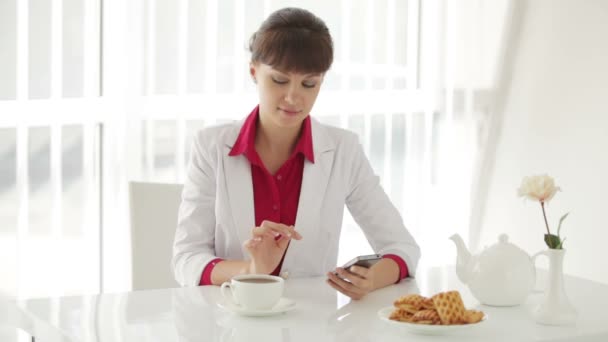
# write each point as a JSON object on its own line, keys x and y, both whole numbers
{"x": 463, "y": 258}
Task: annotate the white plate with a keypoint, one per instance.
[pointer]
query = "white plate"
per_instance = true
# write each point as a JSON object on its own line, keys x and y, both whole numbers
{"x": 284, "y": 305}
{"x": 426, "y": 329}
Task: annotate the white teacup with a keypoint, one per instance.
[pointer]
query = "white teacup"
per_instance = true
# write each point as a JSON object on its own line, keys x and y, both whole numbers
{"x": 254, "y": 291}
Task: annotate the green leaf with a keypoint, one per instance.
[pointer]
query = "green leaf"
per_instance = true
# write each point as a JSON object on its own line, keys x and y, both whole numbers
{"x": 559, "y": 227}
{"x": 561, "y": 244}
{"x": 552, "y": 241}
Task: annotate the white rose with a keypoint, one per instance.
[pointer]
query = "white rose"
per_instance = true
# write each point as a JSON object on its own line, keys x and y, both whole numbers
{"x": 540, "y": 188}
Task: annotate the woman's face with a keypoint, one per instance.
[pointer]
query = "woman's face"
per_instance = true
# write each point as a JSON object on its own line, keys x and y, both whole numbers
{"x": 286, "y": 98}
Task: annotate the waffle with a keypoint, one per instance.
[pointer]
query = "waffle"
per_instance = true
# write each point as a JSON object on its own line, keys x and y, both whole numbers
{"x": 411, "y": 303}
{"x": 449, "y": 306}
{"x": 428, "y": 316}
{"x": 401, "y": 315}
{"x": 444, "y": 308}
{"x": 428, "y": 304}
{"x": 472, "y": 316}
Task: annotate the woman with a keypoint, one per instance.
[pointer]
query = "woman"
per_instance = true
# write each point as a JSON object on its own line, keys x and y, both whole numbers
{"x": 267, "y": 195}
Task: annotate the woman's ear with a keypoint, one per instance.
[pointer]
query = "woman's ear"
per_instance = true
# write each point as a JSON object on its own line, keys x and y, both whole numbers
{"x": 252, "y": 72}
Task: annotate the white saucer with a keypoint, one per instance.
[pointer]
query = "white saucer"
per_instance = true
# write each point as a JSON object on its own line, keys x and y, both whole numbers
{"x": 424, "y": 329}
{"x": 284, "y": 305}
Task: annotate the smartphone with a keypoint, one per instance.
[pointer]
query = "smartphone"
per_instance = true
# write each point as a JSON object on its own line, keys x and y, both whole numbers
{"x": 363, "y": 260}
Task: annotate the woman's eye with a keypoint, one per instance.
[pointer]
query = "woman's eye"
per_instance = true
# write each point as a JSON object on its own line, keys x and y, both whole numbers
{"x": 278, "y": 81}
{"x": 309, "y": 85}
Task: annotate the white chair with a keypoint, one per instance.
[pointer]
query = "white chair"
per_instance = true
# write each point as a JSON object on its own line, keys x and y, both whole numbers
{"x": 154, "y": 210}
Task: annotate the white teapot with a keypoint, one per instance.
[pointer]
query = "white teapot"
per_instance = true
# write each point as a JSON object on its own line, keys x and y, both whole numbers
{"x": 501, "y": 275}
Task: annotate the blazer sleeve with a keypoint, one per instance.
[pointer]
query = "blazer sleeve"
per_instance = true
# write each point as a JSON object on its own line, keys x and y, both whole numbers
{"x": 194, "y": 243}
{"x": 375, "y": 213}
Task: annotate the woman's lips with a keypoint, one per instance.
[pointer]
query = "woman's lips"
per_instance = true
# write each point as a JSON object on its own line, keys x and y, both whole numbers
{"x": 290, "y": 112}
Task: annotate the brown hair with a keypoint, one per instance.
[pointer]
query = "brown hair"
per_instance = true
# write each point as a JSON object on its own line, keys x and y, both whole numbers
{"x": 293, "y": 39}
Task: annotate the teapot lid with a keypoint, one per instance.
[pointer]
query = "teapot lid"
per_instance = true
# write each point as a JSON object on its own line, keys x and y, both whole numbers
{"x": 504, "y": 252}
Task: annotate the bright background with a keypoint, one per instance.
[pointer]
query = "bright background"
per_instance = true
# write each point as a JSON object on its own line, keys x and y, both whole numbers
{"x": 454, "y": 101}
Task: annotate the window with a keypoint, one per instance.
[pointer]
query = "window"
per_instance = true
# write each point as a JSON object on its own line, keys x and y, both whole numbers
{"x": 78, "y": 121}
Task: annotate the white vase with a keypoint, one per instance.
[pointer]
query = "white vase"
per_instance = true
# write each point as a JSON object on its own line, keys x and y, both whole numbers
{"x": 555, "y": 308}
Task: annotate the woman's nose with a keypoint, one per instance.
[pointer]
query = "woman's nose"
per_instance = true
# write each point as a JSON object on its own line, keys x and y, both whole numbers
{"x": 292, "y": 95}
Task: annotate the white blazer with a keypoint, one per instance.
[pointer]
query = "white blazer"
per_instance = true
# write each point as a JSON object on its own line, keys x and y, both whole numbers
{"x": 216, "y": 215}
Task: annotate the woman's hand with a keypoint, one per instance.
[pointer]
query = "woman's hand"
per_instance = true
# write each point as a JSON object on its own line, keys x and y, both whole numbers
{"x": 268, "y": 244}
{"x": 360, "y": 281}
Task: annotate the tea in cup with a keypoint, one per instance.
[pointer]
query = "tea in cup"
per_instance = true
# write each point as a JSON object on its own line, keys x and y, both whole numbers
{"x": 254, "y": 291}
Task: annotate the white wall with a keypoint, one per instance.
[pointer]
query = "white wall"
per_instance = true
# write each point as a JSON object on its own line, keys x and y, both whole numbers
{"x": 555, "y": 120}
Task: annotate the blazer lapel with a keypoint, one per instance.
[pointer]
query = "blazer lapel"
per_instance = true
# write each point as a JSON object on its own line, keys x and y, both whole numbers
{"x": 237, "y": 175}
{"x": 312, "y": 193}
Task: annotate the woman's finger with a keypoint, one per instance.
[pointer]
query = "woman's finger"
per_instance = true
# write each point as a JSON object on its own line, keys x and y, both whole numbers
{"x": 276, "y": 227}
{"x": 252, "y": 243}
{"x": 283, "y": 241}
{"x": 282, "y": 229}
{"x": 360, "y": 271}
{"x": 337, "y": 287}
{"x": 264, "y": 232}
{"x": 347, "y": 286}
{"x": 353, "y": 278}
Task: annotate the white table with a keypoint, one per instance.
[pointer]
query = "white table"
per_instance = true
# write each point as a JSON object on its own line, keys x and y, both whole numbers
{"x": 191, "y": 314}
{"x": 13, "y": 335}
